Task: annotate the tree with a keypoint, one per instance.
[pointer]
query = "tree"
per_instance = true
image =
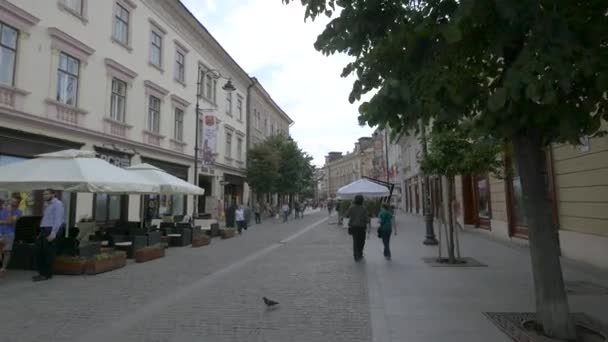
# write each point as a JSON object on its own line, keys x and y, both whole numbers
{"x": 263, "y": 168}
{"x": 456, "y": 150}
{"x": 533, "y": 72}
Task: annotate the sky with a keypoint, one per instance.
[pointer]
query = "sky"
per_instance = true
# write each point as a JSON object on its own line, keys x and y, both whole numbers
{"x": 272, "y": 42}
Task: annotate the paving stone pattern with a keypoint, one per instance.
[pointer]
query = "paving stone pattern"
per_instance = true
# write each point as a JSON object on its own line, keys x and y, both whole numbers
{"x": 212, "y": 293}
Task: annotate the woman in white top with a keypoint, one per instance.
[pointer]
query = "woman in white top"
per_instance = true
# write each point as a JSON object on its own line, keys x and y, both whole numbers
{"x": 240, "y": 219}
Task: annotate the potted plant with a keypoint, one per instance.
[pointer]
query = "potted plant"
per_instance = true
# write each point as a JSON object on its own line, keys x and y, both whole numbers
{"x": 227, "y": 233}
{"x": 69, "y": 265}
{"x": 149, "y": 253}
{"x": 106, "y": 261}
{"x": 200, "y": 240}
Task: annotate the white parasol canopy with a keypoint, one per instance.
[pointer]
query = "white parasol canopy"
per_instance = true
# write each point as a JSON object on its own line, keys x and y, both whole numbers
{"x": 73, "y": 170}
{"x": 363, "y": 187}
{"x": 168, "y": 184}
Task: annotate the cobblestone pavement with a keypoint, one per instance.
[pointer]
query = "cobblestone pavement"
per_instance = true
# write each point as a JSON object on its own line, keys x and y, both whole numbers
{"x": 213, "y": 293}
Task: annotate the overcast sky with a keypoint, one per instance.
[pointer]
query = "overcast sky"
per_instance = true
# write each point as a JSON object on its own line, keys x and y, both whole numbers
{"x": 271, "y": 42}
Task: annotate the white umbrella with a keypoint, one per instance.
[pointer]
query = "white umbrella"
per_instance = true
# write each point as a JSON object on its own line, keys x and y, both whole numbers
{"x": 73, "y": 170}
{"x": 168, "y": 184}
{"x": 363, "y": 187}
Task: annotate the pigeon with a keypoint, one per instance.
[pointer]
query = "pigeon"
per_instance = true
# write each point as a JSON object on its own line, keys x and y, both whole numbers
{"x": 269, "y": 302}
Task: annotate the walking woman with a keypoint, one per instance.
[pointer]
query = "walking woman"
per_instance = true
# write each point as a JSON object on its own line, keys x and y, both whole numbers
{"x": 358, "y": 222}
{"x": 386, "y": 228}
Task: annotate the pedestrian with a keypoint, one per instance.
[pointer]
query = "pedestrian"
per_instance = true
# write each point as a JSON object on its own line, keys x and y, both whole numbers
{"x": 386, "y": 228}
{"x": 52, "y": 223}
{"x": 329, "y": 207}
{"x": 296, "y": 209}
{"x": 257, "y": 210}
{"x": 285, "y": 211}
{"x": 8, "y": 217}
{"x": 358, "y": 223}
{"x": 239, "y": 215}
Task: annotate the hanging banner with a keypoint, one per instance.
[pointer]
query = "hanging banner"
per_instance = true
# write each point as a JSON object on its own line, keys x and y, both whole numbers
{"x": 209, "y": 140}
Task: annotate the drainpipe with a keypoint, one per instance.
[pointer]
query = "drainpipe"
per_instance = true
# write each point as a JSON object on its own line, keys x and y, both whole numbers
{"x": 248, "y": 132}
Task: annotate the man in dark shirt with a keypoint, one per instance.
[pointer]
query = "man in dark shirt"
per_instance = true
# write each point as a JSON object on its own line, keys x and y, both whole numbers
{"x": 358, "y": 222}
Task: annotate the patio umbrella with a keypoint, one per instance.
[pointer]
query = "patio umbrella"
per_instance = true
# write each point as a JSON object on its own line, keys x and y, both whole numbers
{"x": 168, "y": 184}
{"x": 73, "y": 170}
{"x": 363, "y": 187}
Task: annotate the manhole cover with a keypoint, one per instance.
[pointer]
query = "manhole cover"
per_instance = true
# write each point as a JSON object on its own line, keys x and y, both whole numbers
{"x": 462, "y": 262}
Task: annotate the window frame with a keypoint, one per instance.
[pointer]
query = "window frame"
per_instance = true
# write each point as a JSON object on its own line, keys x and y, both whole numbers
{"x": 229, "y": 103}
{"x": 228, "y": 147}
{"x": 153, "y": 34}
{"x": 116, "y": 95}
{"x": 239, "y": 148}
{"x": 239, "y": 106}
{"x": 60, "y": 72}
{"x": 13, "y": 50}
{"x": 178, "y": 128}
{"x": 180, "y": 68}
{"x": 150, "y": 123}
{"x": 118, "y": 6}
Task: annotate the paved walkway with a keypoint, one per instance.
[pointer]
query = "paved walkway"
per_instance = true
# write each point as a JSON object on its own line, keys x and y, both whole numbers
{"x": 411, "y": 301}
{"x": 214, "y": 293}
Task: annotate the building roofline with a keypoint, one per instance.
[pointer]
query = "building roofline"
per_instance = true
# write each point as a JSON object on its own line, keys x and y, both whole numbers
{"x": 267, "y": 95}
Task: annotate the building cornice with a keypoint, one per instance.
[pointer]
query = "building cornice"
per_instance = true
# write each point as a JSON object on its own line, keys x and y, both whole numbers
{"x": 65, "y": 42}
{"x": 120, "y": 70}
{"x": 16, "y": 17}
{"x": 258, "y": 87}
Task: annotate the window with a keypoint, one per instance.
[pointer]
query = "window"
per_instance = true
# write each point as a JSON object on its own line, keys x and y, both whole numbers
{"x": 154, "y": 114}
{"x": 239, "y": 148}
{"x": 8, "y": 53}
{"x": 210, "y": 88}
{"x": 178, "y": 133}
{"x": 118, "y": 101}
{"x": 156, "y": 48}
{"x": 121, "y": 25}
{"x": 67, "y": 79}
{"x": 229, "y": 103}
{"x": 228, "y": 145}
{"x": 239, "y": 107}
{"x": 259, "y": 121}
{"x": 107, "y": 207}
{"x": 74, "y": 5}
{"x": 272, "y": 128}
{"x": 180, "y": 66}
{"x": 265, "y": 125}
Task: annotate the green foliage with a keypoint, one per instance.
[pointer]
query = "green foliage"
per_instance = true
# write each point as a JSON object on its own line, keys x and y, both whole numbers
{"x": 343, "y": 206}
{"x": 279, "y": 165}
{"x": 456, "y": 150}
{"x": 373, "y": 207}
{"x": 513, "y": 66}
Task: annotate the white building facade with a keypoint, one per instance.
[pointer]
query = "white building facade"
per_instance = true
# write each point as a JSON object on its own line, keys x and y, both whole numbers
{"x": 120, "y": 77}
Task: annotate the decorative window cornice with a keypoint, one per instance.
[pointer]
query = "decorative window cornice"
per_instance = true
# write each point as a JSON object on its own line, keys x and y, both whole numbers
{"x": 240, "y": 134}
{"x": 154, "y": 89}
{"x": 181, "y": 47}
{"x": 64, "y": 42}
{"x": 127, "y": 3}
{"x": 229, "y": 128}
{"x": 157, "y": 27}
{"x": 16, "y": 17}
{"x": 179, "y": 101}
{"x": 120, "y": 71}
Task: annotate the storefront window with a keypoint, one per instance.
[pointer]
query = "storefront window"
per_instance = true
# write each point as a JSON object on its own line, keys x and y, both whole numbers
{"x": 107, "y": 207}
{"x": 483, "y": 199}
{"x": 518, "y": 197}
{"x": 171, "y": 205}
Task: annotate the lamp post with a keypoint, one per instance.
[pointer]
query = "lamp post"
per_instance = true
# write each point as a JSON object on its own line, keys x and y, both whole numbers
{"x": 426, "y": 189}
{"x": 199, "y": 93}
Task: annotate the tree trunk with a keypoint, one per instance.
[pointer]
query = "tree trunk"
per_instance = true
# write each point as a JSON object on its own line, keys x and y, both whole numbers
{"x": 451, "y": 254}
{"x": 552, "y": 308}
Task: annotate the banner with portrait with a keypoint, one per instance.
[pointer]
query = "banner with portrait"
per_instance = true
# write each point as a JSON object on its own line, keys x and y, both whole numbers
{"x": 209, "y": 147}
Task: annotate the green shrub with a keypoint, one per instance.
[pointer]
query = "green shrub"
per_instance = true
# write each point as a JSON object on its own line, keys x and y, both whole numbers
{"x": 373, "y": 207}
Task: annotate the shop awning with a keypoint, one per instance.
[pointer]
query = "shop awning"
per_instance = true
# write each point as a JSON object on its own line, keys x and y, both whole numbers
{"x": 168, "y": 184}
{"x": 73, "y": 170}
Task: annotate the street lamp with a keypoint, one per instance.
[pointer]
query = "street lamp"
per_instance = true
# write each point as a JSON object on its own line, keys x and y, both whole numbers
{"x": 215, "y": 74}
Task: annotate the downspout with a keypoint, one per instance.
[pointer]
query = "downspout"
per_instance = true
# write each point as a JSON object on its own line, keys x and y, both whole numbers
{"x": 248, "y": 132}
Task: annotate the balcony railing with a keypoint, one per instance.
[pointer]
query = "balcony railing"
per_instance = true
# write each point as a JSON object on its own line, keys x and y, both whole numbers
{"x": 12, "y": 97}
{"x": 177, "y": 145}
{"x": 116, "y": 128}
{"x": 152, "y": 138}
{"x": 64, "y": 113}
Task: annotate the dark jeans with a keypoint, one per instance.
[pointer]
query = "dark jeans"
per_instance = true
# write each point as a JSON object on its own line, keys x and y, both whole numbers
{"x": 386, "y": 240}
{"x": 358, "y": 241}
{"x": 44, "y": 255}
{"x": 241, "y": 225}
{"x": 258, "y": 218}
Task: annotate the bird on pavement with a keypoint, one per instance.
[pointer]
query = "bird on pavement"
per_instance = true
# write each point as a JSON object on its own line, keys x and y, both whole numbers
{"x": 269, "y": 302}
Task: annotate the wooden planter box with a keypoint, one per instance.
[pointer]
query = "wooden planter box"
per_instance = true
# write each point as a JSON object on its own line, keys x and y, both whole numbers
{"x": 68, "y": 265}
{"x": 200, "y": 241}
{"x": 105, "y": 263}
{"x": 227, "y": 233}
{"x": 149, "y": 253}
